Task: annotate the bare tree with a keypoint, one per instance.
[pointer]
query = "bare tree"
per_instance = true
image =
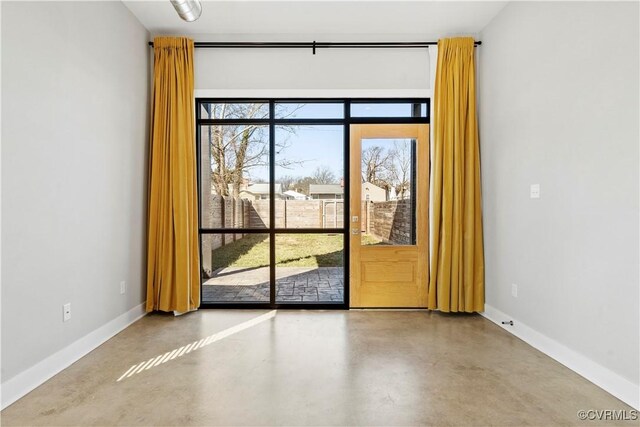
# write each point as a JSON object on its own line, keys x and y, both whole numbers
{"x": 323, "y": 175}
{"x": 375, "y": 160}
{"x": 302, "y": 184}
{"x": 237, "y": 150}
{"x": 287, "y": 182}
{"x": 399, "y": 167}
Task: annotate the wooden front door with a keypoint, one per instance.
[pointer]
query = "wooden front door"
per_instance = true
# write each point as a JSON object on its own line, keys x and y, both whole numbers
{"x": 389, "y": 225}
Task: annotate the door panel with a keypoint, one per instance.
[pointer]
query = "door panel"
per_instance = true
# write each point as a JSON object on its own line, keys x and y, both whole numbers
{"x": 387, "y": 214}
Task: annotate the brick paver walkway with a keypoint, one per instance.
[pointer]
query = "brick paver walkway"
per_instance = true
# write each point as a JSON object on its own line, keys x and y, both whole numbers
{"x": 293, "y": 284}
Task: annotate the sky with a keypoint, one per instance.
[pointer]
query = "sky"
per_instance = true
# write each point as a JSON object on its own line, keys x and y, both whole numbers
{"x": 312, "y": 147}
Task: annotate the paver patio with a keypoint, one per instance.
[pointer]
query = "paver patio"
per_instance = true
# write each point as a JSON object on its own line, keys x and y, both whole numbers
{"x": 293, "y": 284}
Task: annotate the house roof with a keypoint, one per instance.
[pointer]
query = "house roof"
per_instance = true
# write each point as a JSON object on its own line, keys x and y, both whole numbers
{"x": 294, "y": 193}
{"x": 262, "y": 188}
{"x": 325, "y": 189}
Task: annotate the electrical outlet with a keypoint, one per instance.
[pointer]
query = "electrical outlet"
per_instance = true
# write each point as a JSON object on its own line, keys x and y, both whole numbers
{"x": 514, "y": 290}
{"x": 123, "y": 287}
{"x": 534, "y": 191}
{"x": 66, "y": 312}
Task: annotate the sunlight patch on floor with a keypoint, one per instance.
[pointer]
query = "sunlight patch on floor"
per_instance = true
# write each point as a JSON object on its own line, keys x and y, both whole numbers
{"x": 198, "y": 344}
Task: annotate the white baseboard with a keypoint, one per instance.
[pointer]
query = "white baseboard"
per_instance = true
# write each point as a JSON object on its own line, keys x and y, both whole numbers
{"x": 26, "y": 381}
{"x": 603, "y": 377}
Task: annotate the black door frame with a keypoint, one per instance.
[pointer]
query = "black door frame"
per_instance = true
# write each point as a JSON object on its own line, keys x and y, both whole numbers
{"x": 272, "y": 122}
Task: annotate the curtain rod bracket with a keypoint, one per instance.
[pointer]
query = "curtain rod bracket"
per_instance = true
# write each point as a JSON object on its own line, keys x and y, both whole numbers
{"x": 314, "y": 47}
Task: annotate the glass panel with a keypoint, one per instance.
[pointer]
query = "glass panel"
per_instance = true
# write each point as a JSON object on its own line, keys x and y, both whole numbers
{"x": 234, "y": 111}
{"x": 309, "y": 176}
{"x": 309, "y": 111}
{"x": 234, "y": 181}
{"x": 388, "y": 110}
{"x": 388, "y": 189}
{"x": 309, "y": 268}
{"x": 235, "y": 268}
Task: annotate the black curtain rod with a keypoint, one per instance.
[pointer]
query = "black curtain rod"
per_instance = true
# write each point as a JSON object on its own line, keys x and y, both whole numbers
{"x": 314, "y": 45}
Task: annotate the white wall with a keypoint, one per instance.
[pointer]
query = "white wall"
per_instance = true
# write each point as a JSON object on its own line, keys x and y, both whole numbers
{"x": 559, "y": 107}
{"x": 74, "y": 137}
{"x": 331, "y": 72}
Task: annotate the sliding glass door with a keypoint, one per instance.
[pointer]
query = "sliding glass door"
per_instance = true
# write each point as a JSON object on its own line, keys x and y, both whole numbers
{"x": 274, "y": 198}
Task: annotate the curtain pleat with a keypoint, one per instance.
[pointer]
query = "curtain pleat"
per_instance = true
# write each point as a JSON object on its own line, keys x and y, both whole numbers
{"x": 457, "y": 259}
{"x": 172, "y": 251}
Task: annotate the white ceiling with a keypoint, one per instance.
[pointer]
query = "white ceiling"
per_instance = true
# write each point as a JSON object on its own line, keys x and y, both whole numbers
{"x": 275, "y": 20}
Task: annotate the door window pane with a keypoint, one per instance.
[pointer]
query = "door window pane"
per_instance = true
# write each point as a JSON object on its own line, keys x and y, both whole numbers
{"x": 310, "y": 268}
{"x": 309, "y": 176}
{"x": 235, "y": 267}
{"x": 388, "y": 191}
{"x": 234, "y": 182}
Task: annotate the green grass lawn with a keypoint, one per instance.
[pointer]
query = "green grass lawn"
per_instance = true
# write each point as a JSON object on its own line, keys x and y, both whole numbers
{"x": 292, "y": 250}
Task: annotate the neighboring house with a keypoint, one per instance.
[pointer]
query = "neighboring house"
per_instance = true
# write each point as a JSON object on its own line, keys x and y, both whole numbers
{"x": 294, "y": 195}
{"x": 394, "y": 195}
{"x": 260, "y": 191}
{"x": 373, "y": 193}
{"x": 326, "y": 191}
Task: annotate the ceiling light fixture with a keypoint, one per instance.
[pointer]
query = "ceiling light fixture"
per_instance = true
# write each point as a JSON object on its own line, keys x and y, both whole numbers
{"x": 189, "y": 10}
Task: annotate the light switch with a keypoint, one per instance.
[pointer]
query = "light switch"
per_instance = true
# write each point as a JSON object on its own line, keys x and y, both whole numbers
{"x": 535, "y": 191}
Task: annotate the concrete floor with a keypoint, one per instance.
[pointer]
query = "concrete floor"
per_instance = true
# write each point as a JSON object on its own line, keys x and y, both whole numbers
{"x": 315, "y": 368}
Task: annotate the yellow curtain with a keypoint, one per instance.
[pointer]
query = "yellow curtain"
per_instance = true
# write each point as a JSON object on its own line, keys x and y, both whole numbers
{"x": 173, "y": 264}
{"x": 457, "y": 259}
